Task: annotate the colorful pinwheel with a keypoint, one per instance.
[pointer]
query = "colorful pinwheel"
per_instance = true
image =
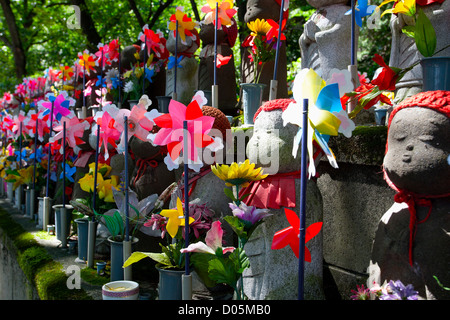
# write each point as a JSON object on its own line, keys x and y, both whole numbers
{"x": 185, "y": 25}
{"x": 225, "y": 12}
{"x": 65, "y": 73}
{"x": 175, "y": 218}
{"x": 324, "y": 115}
{"x": 362, "y": 10}
{"x": 38, "y": 155}
{"x": 87, "y": 61}
{"x": 154, "y": 41}
{"x": 221, "y": 60}
{"x": 74, "y": 131}
{"x": 171, "y": 132}
{"x": 68, "y": 171}
{"x": 171, "y": 63}
{"x": 108, "y": 134}
{"x": 60, "y": 105}
{"x": 290, "y": 235}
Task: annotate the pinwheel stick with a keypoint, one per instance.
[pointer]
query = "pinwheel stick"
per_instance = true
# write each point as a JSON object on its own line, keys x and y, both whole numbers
{"x": 49, "y": 152}
{"x": 215, "y": 94}
{"x": 35, "y": 155}
{"x": 64, "y": 165}
{"x": 84, "y": 83}
{"x": 353, "y": 68}
{"x": 274, "y": 81}
{"x": 304, "y": 174}
{"x": 187, "y": 278}
{"x": 95, "y": 171}
{"x": 126, "y": 180}
{"x": 143, "y": 67}
{"x": 20, "y": 145}
{"x": 119, "y": 76}
{"x": 174, "y": 95}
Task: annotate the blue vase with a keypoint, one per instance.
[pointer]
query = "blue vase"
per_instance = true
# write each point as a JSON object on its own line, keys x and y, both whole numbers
{"x": 163, "y": 103}
{"x": 251, "y": 100}
{"x": 117, "y": 258}
{"x": 82, "y": 227}
{"x": 435, "y": 73}
{"x": 169, "y": 287}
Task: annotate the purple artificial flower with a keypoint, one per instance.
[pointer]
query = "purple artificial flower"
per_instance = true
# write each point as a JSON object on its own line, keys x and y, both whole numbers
{"x": 400, "y": 292}
{"x": 248, "y": 213}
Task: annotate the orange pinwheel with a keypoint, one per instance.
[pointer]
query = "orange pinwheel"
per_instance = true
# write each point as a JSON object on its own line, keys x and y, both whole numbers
{"x": 87, "y": 61}
{"x": 290, "y": 235}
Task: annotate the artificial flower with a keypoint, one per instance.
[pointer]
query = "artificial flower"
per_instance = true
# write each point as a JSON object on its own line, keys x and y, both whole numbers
{"x": 407, "y": 7}
{"x": 213, "y": 242}
{"x": 87, "y": 182}
{"x": 398, "y": 291}
{"x": 238, "y": 174}
{"x": 250, "y": 214}
{"x": 290, "y": 235}
{"x": 105, "y": 188}
{"x": 26, "y": 175}
{"x": 175, "y": 218}
{"x": 386, "y": 78}
{"x": 274, "y": 29}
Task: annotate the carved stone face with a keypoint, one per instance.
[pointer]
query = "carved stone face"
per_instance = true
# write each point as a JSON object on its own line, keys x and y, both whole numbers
{"x": 262, "y": 9}
{"x": 418, "y": 153}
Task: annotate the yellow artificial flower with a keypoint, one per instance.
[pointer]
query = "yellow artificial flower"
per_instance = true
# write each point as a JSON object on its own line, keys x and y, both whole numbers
{"x": 104, "y": 188}
{"x": 407, "y": 7}
{"x": 87, "y": 182}
{"x": 238, "y": 174}
{"x": 26, "y": 174}
{"x": 258, "y": 26}
{"x": 175, "y": 218}
{"x": 102, "y": 168}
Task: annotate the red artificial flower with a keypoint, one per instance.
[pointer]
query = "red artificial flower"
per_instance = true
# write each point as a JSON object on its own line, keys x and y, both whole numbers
{"x": 387, "y": 78}
{"x": 221, "y": 60}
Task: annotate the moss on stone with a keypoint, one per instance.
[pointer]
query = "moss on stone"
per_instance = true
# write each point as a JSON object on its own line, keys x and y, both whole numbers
{"x": 37, "y": 264}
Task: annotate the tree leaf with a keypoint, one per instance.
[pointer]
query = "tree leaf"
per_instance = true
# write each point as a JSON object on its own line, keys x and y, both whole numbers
{"x": 229, "y": 193}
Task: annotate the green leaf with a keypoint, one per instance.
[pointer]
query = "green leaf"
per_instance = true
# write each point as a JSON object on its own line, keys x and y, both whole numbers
{"x": 229, "y": 193}
{"x": 237, "y": 226}
{"x": 137, "y": 256}
{"x": 409, "y": 31}
{"x": 425, "y": 35}
{"x": 200, "y": 261}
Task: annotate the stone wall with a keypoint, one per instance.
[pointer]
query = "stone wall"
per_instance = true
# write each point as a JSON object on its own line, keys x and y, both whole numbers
{"x": 14, "y": 285}
{"x": 355, "y": 196}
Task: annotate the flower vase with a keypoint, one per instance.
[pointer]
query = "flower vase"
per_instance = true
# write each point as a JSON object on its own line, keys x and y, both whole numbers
{"x": 435, "y": 73}
{"x": 163, "y": 103}
{"x": 251, "y": 100}
{"x": 117, "y": 272}
{"x": 169, "y": 287}
{"x": 82, "y": 230}
{"x": 62, "y": 222}
{"x": 132, "y": 103}
{"x": 10, "y": 191}
{"x": 27, "y": 201}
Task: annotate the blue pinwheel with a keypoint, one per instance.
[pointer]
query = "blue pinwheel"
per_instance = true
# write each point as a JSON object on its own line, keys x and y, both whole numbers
{"x": 101, "y": 81}
{"x": 115, "y": 82}
{"x": 69, "y": 172}
{"x": 362, "y": 10}
{"x": 148, "y": 74}
{"x": 21, "y": 156}
{"x": 171, "y": 63}
{"x": 38, "y": 155}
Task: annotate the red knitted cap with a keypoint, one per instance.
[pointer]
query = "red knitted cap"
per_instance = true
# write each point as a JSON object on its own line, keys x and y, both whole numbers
{"x": 273, "y": 105}
{"x": 437, "y": 100}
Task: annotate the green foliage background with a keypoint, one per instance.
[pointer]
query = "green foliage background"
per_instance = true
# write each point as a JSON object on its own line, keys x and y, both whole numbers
{"x": 48, "y": 42}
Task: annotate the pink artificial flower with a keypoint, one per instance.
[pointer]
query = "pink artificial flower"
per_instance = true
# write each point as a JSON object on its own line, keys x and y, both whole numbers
{"x": 213, "y": 242}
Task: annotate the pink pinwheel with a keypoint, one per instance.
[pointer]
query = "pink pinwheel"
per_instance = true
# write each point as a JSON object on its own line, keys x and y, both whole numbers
{"x": 17, "y": 120}
{"x": 140, "y": 122}
{"x": 61, "y": 105}
{"x": 213, "y": 242}
{"x": 102, "y": 55}
{"x": 74, "y": 131}
{"x": 225, "y": 12}
{"x": 290, "y": 235}
{"x": 171, "y": 132}
{"x": 108, "y": 134}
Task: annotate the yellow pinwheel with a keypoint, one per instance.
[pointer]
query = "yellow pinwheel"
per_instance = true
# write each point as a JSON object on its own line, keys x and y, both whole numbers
{"x": 185, "y": 24}
{"x": 175, "y": 218}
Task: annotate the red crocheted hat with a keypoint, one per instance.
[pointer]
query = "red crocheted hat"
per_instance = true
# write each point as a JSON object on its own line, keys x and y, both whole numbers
{"x": 273, "y": 105}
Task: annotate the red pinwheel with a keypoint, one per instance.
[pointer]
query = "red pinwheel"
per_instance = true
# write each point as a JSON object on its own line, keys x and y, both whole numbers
{"x": 221, "y": 60}
{"x": 290, "y": 235}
